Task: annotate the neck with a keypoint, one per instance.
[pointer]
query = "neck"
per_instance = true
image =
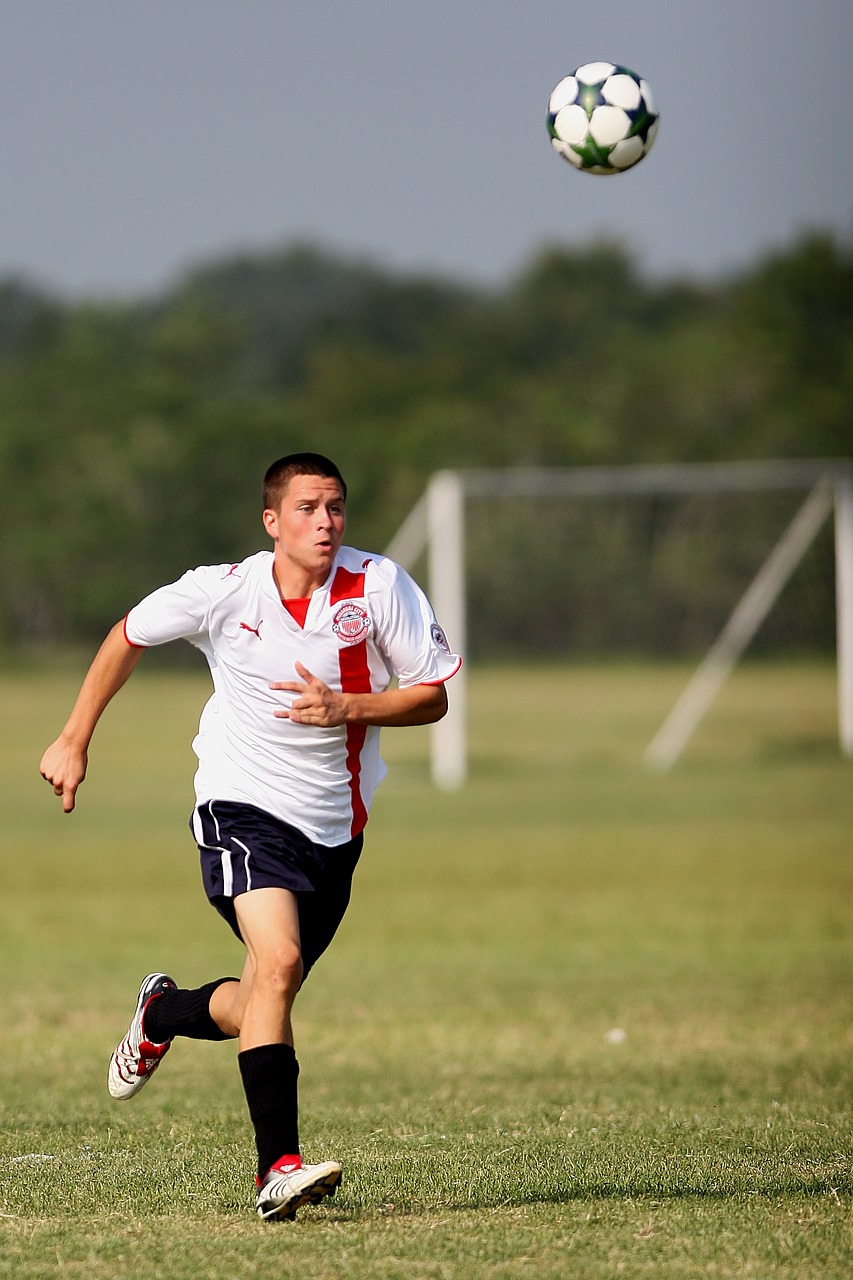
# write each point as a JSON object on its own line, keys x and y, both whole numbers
{"x": 295, "y": 582}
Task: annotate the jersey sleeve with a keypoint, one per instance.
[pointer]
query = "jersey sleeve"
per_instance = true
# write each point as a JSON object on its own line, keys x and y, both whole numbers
{"x": 411, "y": 638}
{"x": 178, "y": 611}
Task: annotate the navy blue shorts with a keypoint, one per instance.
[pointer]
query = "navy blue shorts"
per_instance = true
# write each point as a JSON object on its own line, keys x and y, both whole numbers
{"x": 244, "y": 848}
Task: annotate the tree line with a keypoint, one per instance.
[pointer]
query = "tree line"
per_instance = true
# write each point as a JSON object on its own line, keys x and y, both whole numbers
{"x": 133, "y": 434}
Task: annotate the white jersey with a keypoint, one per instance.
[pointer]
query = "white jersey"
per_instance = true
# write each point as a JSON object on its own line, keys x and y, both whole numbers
{"x": 368, "y": 622}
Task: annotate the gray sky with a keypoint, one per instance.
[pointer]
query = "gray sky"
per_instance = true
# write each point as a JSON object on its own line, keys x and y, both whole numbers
{"x": 140, "y": 137}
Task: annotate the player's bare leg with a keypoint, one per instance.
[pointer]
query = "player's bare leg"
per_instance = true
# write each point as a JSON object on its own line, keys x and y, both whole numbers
{"x": 228, "y": 1003}
{"x": 269, "y": 925}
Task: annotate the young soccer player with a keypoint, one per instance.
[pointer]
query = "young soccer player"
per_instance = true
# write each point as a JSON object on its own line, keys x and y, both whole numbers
{"x": 302, "y": 643}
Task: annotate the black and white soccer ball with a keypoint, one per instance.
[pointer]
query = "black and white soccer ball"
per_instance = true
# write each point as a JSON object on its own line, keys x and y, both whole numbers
{"x": 602, "y": 118}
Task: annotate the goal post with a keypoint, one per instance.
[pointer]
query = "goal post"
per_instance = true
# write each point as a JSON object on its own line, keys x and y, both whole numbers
{"x": 445, "y": 516}
{"x": 844, "y": 602}
{"x": 437, "y": 525}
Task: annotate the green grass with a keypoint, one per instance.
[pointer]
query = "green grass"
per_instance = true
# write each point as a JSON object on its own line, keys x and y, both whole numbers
{"x": 456, "y": 1043}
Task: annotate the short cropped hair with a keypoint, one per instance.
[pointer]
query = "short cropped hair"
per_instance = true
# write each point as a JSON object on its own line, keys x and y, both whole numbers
{"x": 280, "y": 474}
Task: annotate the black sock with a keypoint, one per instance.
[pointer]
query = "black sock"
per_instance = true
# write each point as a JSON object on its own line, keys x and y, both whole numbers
{"x": 184, "y": 1013}
{"x": 269, "y": 1080}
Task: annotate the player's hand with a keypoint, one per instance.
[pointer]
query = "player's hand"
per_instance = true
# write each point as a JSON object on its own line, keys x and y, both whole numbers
{"x": 64, "y": 767}
{"x": 316, "y": 703}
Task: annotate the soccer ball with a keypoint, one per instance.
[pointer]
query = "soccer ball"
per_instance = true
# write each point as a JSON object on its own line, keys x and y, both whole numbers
{"x": 601, "y": 118}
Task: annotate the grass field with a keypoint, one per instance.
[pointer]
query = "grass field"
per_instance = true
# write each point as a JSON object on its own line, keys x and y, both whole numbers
{"x": 581, "y": 1021}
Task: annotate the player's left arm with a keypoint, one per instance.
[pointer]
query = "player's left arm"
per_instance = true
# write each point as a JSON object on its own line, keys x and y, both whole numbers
{"x": 317, "y": 704}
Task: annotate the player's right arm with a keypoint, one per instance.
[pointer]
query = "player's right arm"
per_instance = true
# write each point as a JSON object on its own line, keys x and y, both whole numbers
{"x": 64, "y": 763}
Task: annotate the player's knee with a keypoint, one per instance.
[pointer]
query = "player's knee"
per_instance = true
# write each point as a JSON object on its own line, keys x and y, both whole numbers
{"x": 280, "y": 972}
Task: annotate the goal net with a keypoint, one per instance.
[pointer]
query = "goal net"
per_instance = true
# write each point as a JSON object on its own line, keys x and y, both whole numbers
{"x": 695, "y": 562}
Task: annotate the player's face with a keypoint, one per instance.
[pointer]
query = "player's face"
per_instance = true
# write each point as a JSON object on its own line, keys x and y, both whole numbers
{"x": 307, "y": 529}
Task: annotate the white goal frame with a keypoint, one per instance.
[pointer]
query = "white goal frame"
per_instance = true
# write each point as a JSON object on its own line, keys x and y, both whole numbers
{"x": 437, "y": 524}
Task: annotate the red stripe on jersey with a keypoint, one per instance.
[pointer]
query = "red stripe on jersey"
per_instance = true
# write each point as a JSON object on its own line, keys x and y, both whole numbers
{"x": 346, "y": 585}
{"x": 355, "y": 678}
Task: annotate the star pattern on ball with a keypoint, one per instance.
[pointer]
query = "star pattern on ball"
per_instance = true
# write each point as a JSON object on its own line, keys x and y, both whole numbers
{"x": 602, "y": 118}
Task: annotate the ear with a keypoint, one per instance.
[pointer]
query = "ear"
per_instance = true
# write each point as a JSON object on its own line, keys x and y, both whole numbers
{"x": 270, "y": 519}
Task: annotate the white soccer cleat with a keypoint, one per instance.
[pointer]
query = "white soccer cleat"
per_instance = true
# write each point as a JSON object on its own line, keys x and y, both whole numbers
{"x": 281, "y": 1194}
{"x": 136, "y": 1059}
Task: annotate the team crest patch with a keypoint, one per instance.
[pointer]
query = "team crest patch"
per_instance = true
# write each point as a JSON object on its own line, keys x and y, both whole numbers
{"x": 439, "y": 637}
{"x": 351, "y": 623}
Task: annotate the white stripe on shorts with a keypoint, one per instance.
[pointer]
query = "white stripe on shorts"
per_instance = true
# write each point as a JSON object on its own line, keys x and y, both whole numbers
{"x": 225, "y": 858}
{"x": 245, "y": 864}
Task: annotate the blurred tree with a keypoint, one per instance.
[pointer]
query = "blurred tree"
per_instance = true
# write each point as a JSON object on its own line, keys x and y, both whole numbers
{"x": 133, "y": 437}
